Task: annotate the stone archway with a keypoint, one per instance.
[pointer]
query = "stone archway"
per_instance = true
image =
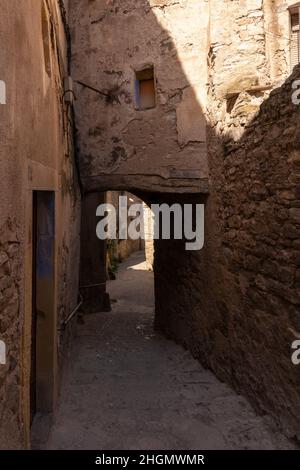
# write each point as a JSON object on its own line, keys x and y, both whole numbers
{"x": 171, "y": 263}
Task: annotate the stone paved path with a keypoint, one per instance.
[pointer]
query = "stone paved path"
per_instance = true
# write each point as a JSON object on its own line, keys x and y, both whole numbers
{"x": 128, "y": 388}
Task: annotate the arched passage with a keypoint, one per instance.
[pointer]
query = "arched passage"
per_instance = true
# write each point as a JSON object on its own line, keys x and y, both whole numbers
{"x": 172, "y": 262}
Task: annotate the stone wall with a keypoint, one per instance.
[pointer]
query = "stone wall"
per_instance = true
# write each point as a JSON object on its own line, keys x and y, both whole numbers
{"x": 256, "y": 206}
{"x": 36, "y": 154}
{"x": 10, "y": 332}
{"x": 236, "y": 304}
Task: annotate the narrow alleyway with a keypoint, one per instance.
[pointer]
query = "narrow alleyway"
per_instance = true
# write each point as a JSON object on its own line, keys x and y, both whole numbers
{"x": 128, "y": 388}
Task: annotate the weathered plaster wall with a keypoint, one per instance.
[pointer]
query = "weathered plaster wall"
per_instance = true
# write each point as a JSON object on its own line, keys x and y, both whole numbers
{"x": 35, "y": 154}
{"x": 236, "y": 304}
{"x": 121, "y": 147}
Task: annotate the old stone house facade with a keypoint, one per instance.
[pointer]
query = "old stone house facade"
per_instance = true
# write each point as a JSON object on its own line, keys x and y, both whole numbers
{"x": 175, "y": 102}
{"x": 40, "y": 211}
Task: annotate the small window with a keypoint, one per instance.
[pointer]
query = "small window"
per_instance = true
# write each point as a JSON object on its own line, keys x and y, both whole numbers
{"x": 295, "y": 35}
{"x": 145, "y": 93}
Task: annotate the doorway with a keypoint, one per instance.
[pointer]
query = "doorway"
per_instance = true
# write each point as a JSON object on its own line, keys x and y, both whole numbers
{"x": 43, "y": 350}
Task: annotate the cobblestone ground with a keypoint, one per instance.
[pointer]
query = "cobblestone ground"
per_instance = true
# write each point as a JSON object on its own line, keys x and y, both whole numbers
{"x": 128, "y": 388}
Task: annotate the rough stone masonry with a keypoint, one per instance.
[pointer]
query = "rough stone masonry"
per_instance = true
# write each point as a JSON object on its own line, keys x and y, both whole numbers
{"x": 217, "y": 131}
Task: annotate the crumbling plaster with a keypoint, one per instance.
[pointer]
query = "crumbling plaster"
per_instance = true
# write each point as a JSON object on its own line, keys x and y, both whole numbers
{"x": 119, "y": 145}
